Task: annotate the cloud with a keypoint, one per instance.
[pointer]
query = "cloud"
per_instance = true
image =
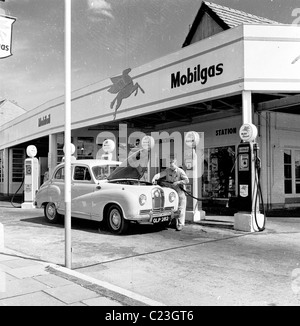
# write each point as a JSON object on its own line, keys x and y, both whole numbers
{"x": 100, "y": 8}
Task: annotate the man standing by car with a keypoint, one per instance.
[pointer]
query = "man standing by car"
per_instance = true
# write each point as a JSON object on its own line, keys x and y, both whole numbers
{"x": 177, "y": 179}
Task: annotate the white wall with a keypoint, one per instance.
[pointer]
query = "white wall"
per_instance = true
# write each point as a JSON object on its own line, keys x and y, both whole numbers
{"x": 284, "y": 133}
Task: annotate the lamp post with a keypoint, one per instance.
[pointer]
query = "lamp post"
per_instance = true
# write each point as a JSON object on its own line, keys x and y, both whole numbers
{"x": 67, "y": 147}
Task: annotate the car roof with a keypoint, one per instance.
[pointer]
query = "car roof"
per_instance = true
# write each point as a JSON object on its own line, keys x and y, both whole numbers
{"x": 93, "y": 162}
{"x": 96, "y": 162}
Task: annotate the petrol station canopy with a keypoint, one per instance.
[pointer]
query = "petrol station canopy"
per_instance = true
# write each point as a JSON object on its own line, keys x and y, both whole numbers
{"x": 202, "y": 78}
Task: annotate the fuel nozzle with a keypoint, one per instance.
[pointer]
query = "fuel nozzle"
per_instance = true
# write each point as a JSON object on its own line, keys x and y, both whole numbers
{"x": 255, "y": 147}
{"x": 257, "y": 159}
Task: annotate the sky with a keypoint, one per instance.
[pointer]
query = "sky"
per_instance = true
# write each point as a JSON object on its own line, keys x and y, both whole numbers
{"x": 108, "y": 36}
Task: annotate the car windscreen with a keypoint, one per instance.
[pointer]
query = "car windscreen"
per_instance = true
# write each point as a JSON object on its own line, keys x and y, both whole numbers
{"x": 102, "y": 172}
{"x": 133, "y": 167}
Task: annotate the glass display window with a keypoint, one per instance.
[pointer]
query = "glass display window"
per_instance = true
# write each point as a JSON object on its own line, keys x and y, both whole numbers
{"x": 85, "y": 148}
{"x": 1, "y": 166}
{"x": 60, "y": 147}
{"x": 219, "y": 172}
{"x": 291, "y": 171}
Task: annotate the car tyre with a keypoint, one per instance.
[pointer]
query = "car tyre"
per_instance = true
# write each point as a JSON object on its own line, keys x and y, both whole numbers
{"x": 50, "y": 212}
{"x": 162, "y": 225}
{"x": 115, "y": 220}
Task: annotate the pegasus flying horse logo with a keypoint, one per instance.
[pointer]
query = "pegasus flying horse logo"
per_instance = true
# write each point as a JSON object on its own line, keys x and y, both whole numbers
{"x": 124, "y": 87}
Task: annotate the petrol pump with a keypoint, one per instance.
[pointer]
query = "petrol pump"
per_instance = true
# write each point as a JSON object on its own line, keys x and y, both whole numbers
{"x": 32, "y": 177}
{"x": 192, "y": 160}
{"x": 248, "y": 217}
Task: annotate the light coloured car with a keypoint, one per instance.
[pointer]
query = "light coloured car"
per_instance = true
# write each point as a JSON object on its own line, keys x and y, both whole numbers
{"x": 109, "y": 191}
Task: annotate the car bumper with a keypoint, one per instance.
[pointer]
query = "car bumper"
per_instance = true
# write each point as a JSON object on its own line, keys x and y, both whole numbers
{"x": 149, "y": 216}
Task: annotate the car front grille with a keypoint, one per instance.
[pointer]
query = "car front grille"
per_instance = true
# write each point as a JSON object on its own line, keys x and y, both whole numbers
{"x": 158, "y": 200}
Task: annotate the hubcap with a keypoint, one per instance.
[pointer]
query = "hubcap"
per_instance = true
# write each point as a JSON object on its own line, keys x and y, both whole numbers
{"x": 115, "y": 219}
{"x": 51, "y": 211}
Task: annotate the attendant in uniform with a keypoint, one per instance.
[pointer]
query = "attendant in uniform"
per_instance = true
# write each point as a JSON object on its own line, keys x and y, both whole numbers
{"x": 177, "y": 179}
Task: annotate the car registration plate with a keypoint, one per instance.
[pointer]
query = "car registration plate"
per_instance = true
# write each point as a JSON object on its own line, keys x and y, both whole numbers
{"x": 160, "y": 219}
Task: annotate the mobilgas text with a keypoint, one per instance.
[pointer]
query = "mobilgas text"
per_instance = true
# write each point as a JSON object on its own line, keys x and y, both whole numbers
{"x": 198, "y": 74}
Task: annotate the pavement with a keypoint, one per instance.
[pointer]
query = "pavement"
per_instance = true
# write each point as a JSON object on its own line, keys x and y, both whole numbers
{"x": 25, "y": 281}
{"x": 28, "y": 282}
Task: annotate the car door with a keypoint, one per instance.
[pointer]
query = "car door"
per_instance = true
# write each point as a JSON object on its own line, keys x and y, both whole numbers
{"x": 82, "y": 184}
{"x": 56, "y": 189}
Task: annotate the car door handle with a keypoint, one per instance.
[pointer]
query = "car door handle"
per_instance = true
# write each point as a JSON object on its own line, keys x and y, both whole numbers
{"x": 98, "y": 187}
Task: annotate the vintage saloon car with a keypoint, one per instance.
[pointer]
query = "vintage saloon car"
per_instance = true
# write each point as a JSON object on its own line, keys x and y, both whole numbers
{"x": 108, "y": 191}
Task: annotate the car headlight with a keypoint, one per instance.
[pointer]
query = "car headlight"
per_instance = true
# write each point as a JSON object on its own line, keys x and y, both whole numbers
{"x": 142, "y": 199}
{"x": 172, "y": 196}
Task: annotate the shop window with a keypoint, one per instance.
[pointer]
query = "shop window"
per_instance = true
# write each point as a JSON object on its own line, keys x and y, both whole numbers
{"x": 287, "y": 171}
{"x": 219, "y": 172}
{"x": 1, "y": 166}
{"x": 60, "y": 147}
{"x": 18, "y": 157}
{"x": 297, "y": 171}
{"x": 291, "y": 171}
{"x": 85, "y": 148}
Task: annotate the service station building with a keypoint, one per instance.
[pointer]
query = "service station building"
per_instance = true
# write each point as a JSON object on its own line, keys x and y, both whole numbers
{"x": 248, "y": 73}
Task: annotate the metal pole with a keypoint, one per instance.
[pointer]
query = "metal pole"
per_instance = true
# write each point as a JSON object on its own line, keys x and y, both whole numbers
{"x": 195, "y": 180}
{"x": 68, "y": 247}
{"x": 247, "y": 107}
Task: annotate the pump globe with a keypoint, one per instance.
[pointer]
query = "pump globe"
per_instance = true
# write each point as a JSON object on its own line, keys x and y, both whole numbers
{"x": 31, "y": 151}
{"x": 192, "y": 139}
{"x": 72, "y": 148}
{"x": 108, "y": 145}
{"x": 248, "y": 132}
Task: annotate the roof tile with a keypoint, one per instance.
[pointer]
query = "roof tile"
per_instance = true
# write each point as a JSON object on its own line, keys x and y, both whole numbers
{"x": 233, "y": 17}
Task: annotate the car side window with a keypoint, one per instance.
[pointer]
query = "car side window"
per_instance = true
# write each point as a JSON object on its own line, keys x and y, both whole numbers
{"x": 82, "y": 173}
{"x": 60, "y": 174}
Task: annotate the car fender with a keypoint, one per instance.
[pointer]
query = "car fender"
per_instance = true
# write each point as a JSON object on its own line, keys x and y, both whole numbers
{"x": 167, "y": 191}
{"x": 99, "y": 201}
{"x": 51, "y": 193}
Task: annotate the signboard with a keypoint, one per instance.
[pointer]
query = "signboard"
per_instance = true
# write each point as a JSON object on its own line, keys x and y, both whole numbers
{"x": 6, "y": 36}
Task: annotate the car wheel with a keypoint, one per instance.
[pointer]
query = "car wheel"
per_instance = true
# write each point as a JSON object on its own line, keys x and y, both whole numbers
{"x": 115, "y": 220}
{"x": 51, "y": 214}
{"x": 162, "y": 225}
{"x": 166, "y": 224}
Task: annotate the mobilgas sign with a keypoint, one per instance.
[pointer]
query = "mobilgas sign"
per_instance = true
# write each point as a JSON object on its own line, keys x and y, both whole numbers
{"x": 198, "y": 74}
{"x": 6, "y": 36}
